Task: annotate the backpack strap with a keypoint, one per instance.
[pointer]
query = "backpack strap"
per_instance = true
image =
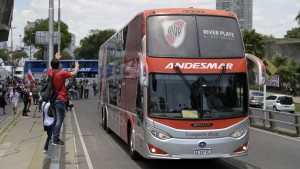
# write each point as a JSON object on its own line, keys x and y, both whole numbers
{"x": 43, "y": 109}
{"x": 52, "y": 77}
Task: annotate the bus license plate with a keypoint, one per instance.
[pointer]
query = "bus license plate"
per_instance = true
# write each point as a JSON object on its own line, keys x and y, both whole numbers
{"x": 203, "y": 151}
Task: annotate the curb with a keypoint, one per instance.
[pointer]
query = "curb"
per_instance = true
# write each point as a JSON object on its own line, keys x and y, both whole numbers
{"x": 55, "y": 158}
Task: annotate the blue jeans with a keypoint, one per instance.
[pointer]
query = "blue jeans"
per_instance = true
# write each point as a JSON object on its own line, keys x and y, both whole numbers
{"x": 60, "y": 108}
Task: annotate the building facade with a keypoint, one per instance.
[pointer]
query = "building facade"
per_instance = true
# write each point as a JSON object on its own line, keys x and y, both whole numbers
{"x": 6, "y": 16}
{"x": 3, "y": 45}
{"x": 242, "y": 8}
{"x": 285, "y": 47}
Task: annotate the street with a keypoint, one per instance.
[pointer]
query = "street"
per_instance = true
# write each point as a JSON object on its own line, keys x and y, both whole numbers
{"x": 107, "y": 151}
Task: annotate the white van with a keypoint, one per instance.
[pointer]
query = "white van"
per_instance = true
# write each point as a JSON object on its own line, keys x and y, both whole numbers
{"x": 19, "y": 72}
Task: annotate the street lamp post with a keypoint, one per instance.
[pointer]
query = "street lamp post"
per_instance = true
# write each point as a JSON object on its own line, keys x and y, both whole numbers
{"x": 51, "y": 43}
{"x": 30, "y": 45}
{"x": 11, "y": 48}
{"x": 20, "y": 42}
{"x": 58, "y": 29}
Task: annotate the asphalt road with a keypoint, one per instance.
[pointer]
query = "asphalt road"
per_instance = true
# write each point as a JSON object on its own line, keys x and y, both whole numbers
{"x": 99, "y": 150}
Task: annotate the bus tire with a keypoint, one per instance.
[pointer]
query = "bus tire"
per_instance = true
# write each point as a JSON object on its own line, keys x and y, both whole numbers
{"x": 105, "y": 127}
{"x": 133, "y": 153}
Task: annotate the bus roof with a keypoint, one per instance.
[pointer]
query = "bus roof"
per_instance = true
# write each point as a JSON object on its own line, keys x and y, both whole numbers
{"x": 62, "y": 60}
{"x": 189, "y": 11}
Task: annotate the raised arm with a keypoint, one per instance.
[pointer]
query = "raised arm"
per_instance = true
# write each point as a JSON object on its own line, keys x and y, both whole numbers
{"x": 75, "y": 69}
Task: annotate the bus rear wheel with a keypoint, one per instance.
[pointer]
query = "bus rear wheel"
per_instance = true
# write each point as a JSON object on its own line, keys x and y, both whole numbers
{"x": 133, "y": 153}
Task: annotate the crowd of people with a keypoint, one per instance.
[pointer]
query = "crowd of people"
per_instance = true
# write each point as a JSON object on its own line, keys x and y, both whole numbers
{"x": 17, "y": 90}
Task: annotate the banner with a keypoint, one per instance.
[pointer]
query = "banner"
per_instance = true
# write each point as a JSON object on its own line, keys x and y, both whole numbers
{"x": 273, "y": 81}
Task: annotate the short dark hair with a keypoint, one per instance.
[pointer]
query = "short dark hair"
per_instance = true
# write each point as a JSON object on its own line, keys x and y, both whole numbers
{"x": 55, "y": 63}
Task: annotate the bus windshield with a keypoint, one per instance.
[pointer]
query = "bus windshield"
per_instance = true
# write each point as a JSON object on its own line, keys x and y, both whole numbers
{"x": 210, "y": 96}
{"x": 194, "y": 36}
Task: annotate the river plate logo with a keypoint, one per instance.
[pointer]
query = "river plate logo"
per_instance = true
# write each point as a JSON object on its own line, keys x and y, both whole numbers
{"x": 174, "y": 32}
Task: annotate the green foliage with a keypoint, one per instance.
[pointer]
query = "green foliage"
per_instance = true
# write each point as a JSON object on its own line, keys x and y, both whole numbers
{"x": 293, "y": 33}
{"x": 254, "y": 43}
{"x": 65, "y": 55}
{"x": 267, "y": 37}
{"x": 40, "y": 56}
{"x": 288, "y": 69}
{"x": 298, "y": 18}
{"x": 42, "y": 25}
{"x": 4, "y": 54}
{"x": 17, "y": 55}
{"x": 89, "y": 46}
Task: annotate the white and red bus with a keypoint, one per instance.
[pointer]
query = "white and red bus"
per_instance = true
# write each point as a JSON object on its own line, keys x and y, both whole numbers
{"x": 173, "y": 85}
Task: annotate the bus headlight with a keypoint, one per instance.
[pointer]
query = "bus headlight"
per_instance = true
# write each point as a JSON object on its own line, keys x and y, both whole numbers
{"x": 240, "y": 132}
{"x": 157, "y": 133}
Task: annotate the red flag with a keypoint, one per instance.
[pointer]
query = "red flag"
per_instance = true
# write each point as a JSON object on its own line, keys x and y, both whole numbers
{"x": 30, "y": 76}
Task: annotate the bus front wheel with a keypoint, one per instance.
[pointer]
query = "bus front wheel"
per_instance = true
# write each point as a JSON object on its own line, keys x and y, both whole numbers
{"x": 133, "y": 153}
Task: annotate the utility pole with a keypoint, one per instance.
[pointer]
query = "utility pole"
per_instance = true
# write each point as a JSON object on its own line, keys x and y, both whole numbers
{"x": 11, "y": 48}
{"x": 58, "y": 29}
{"x": 50, "y": 34}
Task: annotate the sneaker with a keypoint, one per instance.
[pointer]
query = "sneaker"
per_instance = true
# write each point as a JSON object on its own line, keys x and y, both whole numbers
{"x": 58, "y": 142}
{"x": 45, "y": 151}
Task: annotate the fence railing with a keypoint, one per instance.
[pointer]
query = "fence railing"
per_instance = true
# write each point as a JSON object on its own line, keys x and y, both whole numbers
{"x": 281, "y": 122}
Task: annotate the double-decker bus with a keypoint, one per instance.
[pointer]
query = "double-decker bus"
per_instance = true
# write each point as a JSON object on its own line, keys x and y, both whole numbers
{"x": 173, "y": 85}
{"x": 88, "y": 69}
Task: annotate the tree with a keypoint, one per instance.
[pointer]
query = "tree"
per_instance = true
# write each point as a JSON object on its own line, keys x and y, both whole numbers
{"x": 293, "y": 33}
{"x": 280, "y": 62}
{"x": 89, "y": 46}
{"x": 17, "y": 55}
{"x": 254, "y": 43}
{"x": 40, "y": 56}
{"x": 4, "y": 54}
{"x": 288, "y": 70}
{"x": 43, "y": 25}
{"x": 293, "y": 74}
{"x": 298, "y": 18}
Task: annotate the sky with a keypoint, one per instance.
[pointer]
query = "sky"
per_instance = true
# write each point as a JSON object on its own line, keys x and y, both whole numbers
{"x": 270, "y": 17}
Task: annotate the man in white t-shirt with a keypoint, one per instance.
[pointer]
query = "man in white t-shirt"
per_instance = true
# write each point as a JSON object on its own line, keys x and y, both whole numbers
{"x": 14, "y": 99}
{"x": 48, "y": 121}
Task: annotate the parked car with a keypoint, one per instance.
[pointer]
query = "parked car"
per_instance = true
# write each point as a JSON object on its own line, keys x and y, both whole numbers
{"x": 279, "y": 102}
{"x": 256, "y": 98}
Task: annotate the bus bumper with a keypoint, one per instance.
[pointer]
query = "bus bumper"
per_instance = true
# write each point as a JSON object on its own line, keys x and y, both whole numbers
{"x": 178, "y": 148}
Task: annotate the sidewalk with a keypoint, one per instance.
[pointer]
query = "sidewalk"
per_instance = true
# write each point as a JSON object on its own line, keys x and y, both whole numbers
{"x": 22, "y": 141}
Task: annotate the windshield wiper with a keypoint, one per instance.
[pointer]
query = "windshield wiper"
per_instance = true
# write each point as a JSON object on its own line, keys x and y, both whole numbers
{"x": 213, "y": 93}
{"x": 179, "y": 72}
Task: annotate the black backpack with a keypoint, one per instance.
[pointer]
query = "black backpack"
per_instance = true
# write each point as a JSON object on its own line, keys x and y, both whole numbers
{"x": 48, "y": 92}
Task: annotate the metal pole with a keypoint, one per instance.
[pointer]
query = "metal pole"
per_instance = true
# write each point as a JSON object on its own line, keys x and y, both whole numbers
{"x": 50, "y": 35}
{"x": 20, "y": 42}
{"x": 30, "y": 48}
{"x": 11, "y": 43}
{"x": 11, "y": 49}
{"x": 58, "y": 29}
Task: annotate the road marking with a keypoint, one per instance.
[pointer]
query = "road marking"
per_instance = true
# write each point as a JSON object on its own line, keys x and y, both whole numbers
{"x": 276, "y": 134}
{"x": 87, "y": 157}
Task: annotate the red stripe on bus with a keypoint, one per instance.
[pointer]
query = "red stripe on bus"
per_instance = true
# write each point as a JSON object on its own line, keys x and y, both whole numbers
{"x": 187, "y": 124}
